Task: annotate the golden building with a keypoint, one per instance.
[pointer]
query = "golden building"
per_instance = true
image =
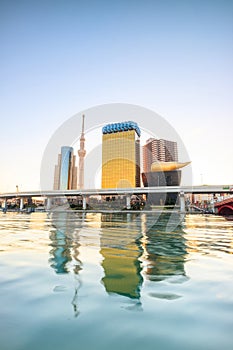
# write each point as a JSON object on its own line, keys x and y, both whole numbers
{"x": 121, "y": 155}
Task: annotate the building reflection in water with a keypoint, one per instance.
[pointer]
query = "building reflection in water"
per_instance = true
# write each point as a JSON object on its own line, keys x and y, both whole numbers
{"x": 129, "y": 247}
{"x": 64, "y": 255}
{"x": 164, "y": 252}
{"x": 121, "y": 253}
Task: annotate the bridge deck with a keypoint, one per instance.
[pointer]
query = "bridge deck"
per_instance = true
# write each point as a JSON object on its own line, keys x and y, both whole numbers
{"x": 123, "y": 191}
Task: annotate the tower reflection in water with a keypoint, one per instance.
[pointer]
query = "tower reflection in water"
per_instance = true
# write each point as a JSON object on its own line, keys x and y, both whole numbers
{"x": 64, "y": 255}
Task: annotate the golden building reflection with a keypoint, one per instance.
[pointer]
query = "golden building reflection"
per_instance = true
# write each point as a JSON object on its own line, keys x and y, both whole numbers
{"x": 121, "y": 254}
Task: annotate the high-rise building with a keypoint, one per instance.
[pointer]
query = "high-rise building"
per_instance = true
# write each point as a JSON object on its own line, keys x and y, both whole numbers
{"x": 121, "y": 155}
{"x": 81, "y": 154}
{"x": 65, "y": 174}
{"x": 161, "y": 168}
{"x": 158, "y": 150}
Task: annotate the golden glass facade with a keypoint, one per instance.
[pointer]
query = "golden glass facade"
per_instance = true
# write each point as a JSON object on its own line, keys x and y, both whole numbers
{"x": 120, "y": 160}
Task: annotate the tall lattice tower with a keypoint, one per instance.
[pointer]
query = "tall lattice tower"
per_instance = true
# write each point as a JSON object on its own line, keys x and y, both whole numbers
{"x": 81, "y": 154}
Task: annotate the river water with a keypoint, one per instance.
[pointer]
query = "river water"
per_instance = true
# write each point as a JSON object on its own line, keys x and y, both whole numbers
{"x": 115, "y": 281}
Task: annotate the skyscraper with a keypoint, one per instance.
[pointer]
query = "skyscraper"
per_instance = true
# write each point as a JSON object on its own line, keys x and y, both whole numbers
{"x": 81, "y": 154}
{"x": 158, "y": 150}
{"x": 161, "y": 168}
{"x": 121, "y": 155}
{"x": 65, "y": 174}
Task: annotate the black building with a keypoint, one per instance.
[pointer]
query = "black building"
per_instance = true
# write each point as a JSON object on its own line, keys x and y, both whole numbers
{"x": 161, "y": 178}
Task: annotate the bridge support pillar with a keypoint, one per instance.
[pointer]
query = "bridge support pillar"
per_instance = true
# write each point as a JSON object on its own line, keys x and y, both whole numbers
{"x": 212, "y": 208}
{"x": 182, "y": 202}
{"x": 49, "y": 203}
{"x": 84, "y": 202}
{"x": 21, "y": 204}
{"x": 4, "y": 205}
{"x": 128, "y": 197}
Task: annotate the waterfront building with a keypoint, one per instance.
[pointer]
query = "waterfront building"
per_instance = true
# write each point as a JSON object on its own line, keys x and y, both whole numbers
{"x": 121, "y": 155}
{"x": 162, "y": 178}
{"x": 65, "y": 174}
{"x": 81, "y": 154}
{"x": 158, "y": 150}
{"x": 160, "y": 168}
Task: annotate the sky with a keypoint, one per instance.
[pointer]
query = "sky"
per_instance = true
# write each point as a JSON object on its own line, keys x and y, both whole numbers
{"x": 60, "y": 57}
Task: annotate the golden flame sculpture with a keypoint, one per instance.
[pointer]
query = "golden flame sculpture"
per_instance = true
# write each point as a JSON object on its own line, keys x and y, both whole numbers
{"x": 167, "y": 166}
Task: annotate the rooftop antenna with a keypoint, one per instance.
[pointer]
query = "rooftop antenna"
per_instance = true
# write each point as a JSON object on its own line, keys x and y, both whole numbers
{"x": 83, "y": 124}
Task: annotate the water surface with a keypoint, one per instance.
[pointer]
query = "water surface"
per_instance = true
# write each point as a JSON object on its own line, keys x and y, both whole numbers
{"x": 115, "y": 281}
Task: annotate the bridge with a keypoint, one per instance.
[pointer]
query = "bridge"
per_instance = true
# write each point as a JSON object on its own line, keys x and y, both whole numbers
{"x": 224, "y": 207}
{"x": 208, "y": 189}
{"x": 127, "y": 192}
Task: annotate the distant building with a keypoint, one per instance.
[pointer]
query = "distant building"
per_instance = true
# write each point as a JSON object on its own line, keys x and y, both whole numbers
{"x": 158, "y": 150}
{"x": 121, "y": 155}
{"x": 162, "y": 178}
{"x": 81, "y": 154}
{"x": 65, "y": 174}
{"x": 160, "y": 168}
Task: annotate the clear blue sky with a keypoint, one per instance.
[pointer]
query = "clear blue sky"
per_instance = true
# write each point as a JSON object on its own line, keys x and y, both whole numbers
{"x": 60, "y": 57}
